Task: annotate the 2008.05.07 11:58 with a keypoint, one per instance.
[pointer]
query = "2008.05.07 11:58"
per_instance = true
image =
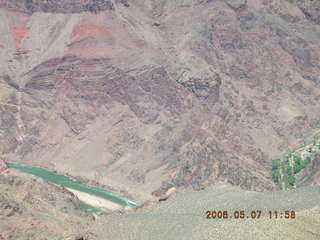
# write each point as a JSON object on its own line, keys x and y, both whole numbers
{"x": 255, "y": 214}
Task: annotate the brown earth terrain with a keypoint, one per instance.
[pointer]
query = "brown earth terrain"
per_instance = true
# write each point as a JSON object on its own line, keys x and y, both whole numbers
{"x": 32, "y": 209}
{"x": 145, "y": 95}
{"x": 311, "y": 174}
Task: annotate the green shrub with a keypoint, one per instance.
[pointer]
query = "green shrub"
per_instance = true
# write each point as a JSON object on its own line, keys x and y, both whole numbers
{"x": 290, "y": 176}
{"x": 292, "y": 180}
{"x": 276, "y": 170}
{"x": 297, "y": 164}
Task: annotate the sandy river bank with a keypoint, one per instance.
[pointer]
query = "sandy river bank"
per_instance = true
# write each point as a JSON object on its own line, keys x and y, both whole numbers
{"x": 96, "y": 201}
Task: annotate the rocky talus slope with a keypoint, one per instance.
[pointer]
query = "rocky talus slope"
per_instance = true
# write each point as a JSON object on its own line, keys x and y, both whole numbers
{"x": 184, "y": 216}
{"x": 144, "y": 95}
{"x": 32, "y": 209}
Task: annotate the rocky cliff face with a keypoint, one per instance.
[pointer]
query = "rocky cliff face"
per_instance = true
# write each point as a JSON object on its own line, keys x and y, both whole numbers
{"x": 33, "y": 209}
{"x": 147, "y": 95}
{"x": 60, "y": 6}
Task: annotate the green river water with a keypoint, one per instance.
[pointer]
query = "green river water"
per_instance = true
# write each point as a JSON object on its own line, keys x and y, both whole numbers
{"x": 61, "y": 180}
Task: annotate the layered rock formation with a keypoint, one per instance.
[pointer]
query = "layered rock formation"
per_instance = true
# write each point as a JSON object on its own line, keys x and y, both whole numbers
{"x": 147, "y": 95}
{"x": 60, "y": 6}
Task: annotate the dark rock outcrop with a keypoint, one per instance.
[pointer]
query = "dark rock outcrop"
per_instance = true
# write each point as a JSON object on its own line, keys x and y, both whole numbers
{"x": 203, "y": 87}
{"x": 3, "y": 165}
{"x": 310, "y": 8}
{"x": 58, "y": 6}
{"x": 159, "y": 92}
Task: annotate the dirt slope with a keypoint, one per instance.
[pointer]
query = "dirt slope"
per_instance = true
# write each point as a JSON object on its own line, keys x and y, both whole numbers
{"x": 32, "y": 209}
{"x": 143, "y": 95}
{"x": 184, "y": 216}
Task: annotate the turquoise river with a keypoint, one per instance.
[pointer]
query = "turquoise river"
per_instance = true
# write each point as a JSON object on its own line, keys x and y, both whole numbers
{"x": 64, "y": 181}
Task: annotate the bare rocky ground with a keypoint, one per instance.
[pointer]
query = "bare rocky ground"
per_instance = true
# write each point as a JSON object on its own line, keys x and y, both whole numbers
{"x": 31, "y": 209}
{"x": 144, "y": 95}
{"x": 183, "y": 216}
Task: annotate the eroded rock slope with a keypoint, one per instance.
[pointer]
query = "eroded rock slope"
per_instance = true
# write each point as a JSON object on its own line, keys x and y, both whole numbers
{"x": 147, "y": 95}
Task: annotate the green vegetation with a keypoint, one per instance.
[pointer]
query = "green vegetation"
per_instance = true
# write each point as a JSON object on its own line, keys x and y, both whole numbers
{"x": 276, "y": 170}
{"x": 291, "y": 179}
{"x": 297, "y": 164}
{"x": 284, "y": 170}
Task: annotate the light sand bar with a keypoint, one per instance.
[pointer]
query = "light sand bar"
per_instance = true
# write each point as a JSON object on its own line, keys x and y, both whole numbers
{"x": 96, "y": 201}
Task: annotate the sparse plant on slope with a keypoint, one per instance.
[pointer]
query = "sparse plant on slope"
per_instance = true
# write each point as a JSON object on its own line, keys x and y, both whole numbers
{"x": 297, "y": 164}
{"x": 290, "y": 176}
{"x": 276, "y": 170}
